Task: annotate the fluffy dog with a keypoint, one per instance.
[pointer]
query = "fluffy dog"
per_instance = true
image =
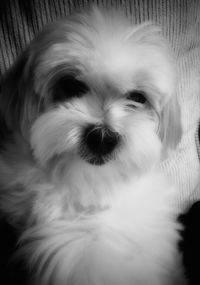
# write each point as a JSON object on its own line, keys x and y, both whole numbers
{"x": 91, "y": 108}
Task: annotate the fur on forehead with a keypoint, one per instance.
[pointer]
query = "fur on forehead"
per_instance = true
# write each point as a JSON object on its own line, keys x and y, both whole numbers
{"x": 105, "y": 46}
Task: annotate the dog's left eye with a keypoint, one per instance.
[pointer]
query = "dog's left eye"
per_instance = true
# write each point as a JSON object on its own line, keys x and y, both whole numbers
{"x": 67, "y": 88}
{"x": 137, "y": 97}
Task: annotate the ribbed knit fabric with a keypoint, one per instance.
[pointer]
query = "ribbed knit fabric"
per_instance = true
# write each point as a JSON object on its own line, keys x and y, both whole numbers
{"x": 21, "y": 20}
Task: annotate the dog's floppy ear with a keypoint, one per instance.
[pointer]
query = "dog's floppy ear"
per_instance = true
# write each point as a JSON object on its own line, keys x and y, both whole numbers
{"x": 170, "y": 129}
{"x": 15, "y": 97}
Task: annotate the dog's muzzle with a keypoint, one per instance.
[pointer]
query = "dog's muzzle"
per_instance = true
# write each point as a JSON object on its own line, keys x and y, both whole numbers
{"x": 99, "y": 143}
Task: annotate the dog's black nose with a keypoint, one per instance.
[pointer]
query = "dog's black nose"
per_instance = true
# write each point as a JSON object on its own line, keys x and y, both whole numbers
{"x": 100, "y": 139}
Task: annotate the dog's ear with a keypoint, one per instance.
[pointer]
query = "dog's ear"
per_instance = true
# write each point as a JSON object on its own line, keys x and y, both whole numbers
{"x": 170, "y": 129}
{"x": 16, "y": 102}
{"x": 170, "y": 118}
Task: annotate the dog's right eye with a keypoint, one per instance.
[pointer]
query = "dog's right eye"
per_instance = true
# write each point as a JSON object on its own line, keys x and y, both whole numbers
{"x": 68, "y": 87}
{"x": 137, "y": 97}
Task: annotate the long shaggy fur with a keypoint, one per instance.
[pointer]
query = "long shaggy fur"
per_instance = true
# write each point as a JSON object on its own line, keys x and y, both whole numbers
{"x": 83, "y": 223}
{"x": 119, "y": 244}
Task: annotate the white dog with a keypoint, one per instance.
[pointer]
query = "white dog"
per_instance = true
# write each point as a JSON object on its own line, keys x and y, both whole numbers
{"x": 92, "y": 110}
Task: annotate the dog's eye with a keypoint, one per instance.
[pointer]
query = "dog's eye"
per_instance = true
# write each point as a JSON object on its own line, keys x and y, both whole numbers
{"x": 137, "y": 97}
{"x": 67, "y": 88}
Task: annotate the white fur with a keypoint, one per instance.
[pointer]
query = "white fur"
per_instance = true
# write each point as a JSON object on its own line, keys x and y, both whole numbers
{"x": 131, "y": 240}
{"x": 85, "y": 224}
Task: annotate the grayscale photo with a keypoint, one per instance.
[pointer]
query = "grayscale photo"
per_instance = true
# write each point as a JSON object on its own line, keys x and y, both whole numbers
{"x": 99, "y": 142}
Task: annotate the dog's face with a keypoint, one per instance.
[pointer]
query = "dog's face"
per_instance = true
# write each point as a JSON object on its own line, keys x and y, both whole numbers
{"x": 97, "y": 92}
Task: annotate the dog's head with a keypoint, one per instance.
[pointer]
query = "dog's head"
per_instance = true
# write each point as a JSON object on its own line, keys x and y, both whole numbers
{"x": 96, "y": 90}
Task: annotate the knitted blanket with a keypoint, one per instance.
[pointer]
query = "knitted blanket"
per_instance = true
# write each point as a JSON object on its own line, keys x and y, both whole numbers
{"x": 21, "y": 20}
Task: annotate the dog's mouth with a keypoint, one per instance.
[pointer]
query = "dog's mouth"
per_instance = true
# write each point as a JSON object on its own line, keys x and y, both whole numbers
{"x": 96, "y": 160}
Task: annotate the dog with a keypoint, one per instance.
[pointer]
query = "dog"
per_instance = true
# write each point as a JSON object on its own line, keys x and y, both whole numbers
{"x": 91, "y": 109}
